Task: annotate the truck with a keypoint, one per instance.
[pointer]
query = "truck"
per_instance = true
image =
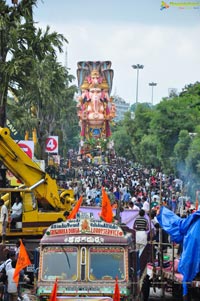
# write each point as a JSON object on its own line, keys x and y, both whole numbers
{"x": 43, "y": 201}
{"x": 86, "y": 256}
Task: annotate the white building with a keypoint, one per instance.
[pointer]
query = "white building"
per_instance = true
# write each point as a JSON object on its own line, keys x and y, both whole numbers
{"x": 121, "y": 107}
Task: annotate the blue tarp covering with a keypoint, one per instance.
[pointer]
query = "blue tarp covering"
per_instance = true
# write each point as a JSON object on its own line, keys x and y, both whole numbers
{"x": 187, "y": 232}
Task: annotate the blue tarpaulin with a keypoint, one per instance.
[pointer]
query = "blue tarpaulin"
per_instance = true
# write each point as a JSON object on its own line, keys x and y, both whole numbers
{"x": 187, "y": 232}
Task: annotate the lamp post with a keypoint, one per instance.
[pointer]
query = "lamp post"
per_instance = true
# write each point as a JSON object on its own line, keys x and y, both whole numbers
{"x": 152, "y": 85}
{"x": 137, "y": 67}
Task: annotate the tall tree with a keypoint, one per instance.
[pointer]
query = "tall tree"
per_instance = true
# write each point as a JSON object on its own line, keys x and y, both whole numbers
{"x": 30, "y": 71}
{"x": 48, "y": 100}
{"x": 11, "y": 37}
{"x": 22, "y": 47}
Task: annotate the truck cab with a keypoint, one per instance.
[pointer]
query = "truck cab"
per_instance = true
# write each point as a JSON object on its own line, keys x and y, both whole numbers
{"x": 86, "y": 256}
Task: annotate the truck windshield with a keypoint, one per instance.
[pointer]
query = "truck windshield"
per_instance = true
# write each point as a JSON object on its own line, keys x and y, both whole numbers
{"x": 60, "y": 263}
{"x": 106, "y": 263}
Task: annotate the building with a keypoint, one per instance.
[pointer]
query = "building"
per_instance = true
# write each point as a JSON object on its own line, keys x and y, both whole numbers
{"x": 121, "y": 107}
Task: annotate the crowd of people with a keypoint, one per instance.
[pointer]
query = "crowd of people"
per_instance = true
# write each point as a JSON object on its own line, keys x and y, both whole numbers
{"x": 133, "y": 187}
{"x": 129, "y": 186}
{"x": 9, "y": 289}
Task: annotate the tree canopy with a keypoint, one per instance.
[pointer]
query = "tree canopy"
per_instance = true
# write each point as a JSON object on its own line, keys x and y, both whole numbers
{"x": 35, "y": 87}
{"x": 165, "y": 136}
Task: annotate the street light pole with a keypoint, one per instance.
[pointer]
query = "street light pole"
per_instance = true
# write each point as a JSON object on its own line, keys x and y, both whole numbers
{"x": 137, "y": 67}
{"x": 152, "y": 85}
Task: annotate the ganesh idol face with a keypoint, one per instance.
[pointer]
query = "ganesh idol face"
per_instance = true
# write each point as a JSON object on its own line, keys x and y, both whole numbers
{"x": 95, "y": 93}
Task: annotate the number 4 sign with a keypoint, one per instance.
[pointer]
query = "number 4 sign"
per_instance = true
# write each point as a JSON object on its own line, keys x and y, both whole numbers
{"x": 52, "y": 144}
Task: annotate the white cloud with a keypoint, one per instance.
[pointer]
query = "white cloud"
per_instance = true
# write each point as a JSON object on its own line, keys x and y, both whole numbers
{"x": 170, "y": 55}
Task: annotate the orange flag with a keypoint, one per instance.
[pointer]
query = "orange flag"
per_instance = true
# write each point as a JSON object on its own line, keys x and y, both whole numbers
{"x": 76, "y": 208}
{"x": 69, "y": 163}
{"x": 106, "y": 210}
{"x": 116, "y": 296}
{"x": 197, "y": 201}
{"x": 22, "y": 261}
{"x": 54, "y": 291}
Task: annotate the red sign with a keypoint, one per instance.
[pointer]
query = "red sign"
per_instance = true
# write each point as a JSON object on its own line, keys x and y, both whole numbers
{"x": 52, "y": 144}
{"x": 26, "y": 148}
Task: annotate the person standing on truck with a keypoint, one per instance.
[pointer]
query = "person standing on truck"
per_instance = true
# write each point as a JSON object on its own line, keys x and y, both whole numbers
{"x": 141, "y": 227}
{"x": 16, "y": 211}
{"x": 4, "y": 220}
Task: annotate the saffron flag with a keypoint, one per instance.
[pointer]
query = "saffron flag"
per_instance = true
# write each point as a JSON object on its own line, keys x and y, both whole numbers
{"x": 22, "y": 261}
{"x": 106, "y": 209}
{"x": 69, "y": 163}
{"x": 76, "y": 208}
{"x": 116, "y": 296}
{"x": 54, "y": 291}
{"x": 197, "y": 201}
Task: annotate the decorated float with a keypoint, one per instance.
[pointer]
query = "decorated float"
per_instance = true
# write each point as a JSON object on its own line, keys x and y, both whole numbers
{"x": 86, "y": 258}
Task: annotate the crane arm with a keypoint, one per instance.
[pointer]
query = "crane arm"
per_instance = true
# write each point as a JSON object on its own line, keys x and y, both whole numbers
{"x": 28, "y": 172}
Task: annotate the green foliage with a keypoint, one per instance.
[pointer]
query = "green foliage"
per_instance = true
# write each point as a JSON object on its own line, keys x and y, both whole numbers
{"x": 29, "y": 69}
{"x": 165, "y": 136}
{"x": 193, "y": 157}
{"x": 148, "y": 151}
{"x": 181, "y": 148}
{"x": 122, "y": 143}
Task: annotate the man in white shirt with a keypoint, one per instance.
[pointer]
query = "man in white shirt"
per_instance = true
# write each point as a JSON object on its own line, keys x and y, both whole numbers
{"x": 6, "y": 266}
{"x": 4, "y": 220}
{"x": 16, "y": 211}
{"x": 11, "y": 286}
{"x": 11, "y": 255}
{"x": 146, "y": 206}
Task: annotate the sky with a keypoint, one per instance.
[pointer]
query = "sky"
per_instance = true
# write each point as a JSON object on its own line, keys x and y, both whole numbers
{"x": 129, "y": 32}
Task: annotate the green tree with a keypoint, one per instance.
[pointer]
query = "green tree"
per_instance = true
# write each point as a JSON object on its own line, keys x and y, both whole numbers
{"x": 193, "y": 158}
{"x": 191, "y": 89}
{"x": 48, "y": 102}
{"x": 33, "y": 75}
{"x": 137, "y": 126}
{"x": 148, "y": 151}
{"x": 193, "y": 164}
{"x": 156, "y": 132}
{"x": 168, "y": 120}
{"x": 181, "y": 151}
{"x": 122, "y": 143}
{"x": 13, "y": 46}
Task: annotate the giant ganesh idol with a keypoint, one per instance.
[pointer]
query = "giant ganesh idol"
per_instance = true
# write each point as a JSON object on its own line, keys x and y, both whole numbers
{"x": 95, "y": 107}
